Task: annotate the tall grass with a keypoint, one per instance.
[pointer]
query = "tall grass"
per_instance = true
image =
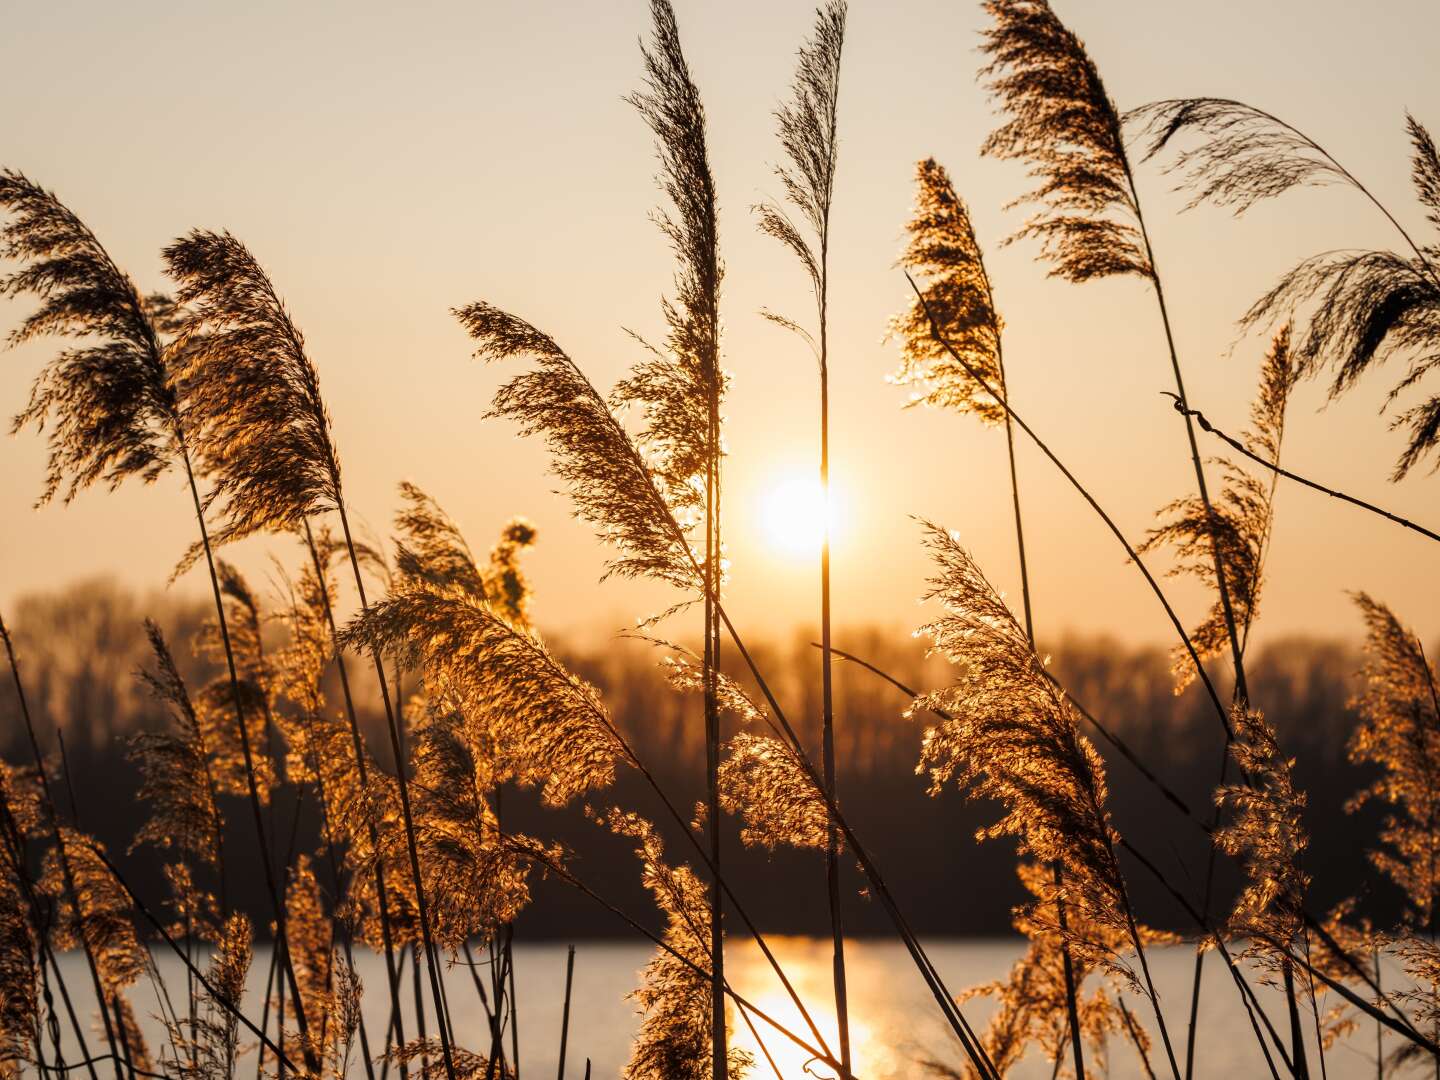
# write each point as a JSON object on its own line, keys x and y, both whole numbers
{"x": 808, "y": 133}
{"x": 419, "y": 859}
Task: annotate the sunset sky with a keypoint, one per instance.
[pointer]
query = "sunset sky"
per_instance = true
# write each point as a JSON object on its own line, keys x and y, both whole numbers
{"x": 389, "y": 162}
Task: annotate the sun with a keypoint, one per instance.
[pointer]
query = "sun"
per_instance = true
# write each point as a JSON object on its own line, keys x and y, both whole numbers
{"x": 794, "y": 512}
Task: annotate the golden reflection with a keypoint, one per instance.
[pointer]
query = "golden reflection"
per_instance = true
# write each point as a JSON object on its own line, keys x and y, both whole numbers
{"x": 807, "y": 964}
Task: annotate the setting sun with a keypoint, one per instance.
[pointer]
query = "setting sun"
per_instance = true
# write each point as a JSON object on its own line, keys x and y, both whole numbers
{"x": 793, "y": 511}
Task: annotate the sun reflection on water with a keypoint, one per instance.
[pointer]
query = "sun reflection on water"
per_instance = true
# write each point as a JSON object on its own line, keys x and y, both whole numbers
{"x": 807, "y": 964}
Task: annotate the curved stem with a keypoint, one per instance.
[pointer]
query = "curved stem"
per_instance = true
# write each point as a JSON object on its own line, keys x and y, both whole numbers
{"x": 1278, "y": 470}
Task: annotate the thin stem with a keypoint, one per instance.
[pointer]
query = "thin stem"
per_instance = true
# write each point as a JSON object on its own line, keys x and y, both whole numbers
{"x": 719, "y": 1059}
{"x": 362, "y": 772}
{"x": 1275, "y": 467}
{"x": 276, "y": 900}
{"x": 404, "y": 786}
{"x": 565, "y": 1014}
{"x": 1072, "y": 1009}
{"x": 832, "y": 847}
{"x": 1315, "y": 1013}
{"x": 1135, "y": 1040}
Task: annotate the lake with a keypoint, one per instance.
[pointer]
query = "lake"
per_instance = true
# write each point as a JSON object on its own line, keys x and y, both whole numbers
{"x": 895, "y": 1024}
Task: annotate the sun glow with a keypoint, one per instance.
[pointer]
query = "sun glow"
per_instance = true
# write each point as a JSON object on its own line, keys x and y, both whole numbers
{"x": 794, "y": 512}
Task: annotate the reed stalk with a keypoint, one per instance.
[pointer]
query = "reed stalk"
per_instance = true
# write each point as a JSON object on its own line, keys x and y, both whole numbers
{"x": 807, "y": 127}
{"x": 357, "y": 743}
{"x": 565, "y": 1012}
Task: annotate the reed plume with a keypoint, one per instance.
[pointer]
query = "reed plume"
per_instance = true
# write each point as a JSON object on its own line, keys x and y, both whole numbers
{"x": 542, "y": 719}
{"x": 108, "y": 404}
{"x": 432, "y": 549}
{"x": 1399, "y": 731}
{"x": 258, "y": 423}
{"x": 320, "y": 751}
{"x": 807, "y": 129}
{"x": 1420, "y": 960}
{"x": 102, "y": 925}
{"x": 1266, "y": 832}
{"x": 944, "y": 255}
{"x": 1033, "y": 1000}
{"x": 20, "y": 1009}
{"x": 178, "y": 783}
{"x": 609, "y": 483}
{"x": 208, "y": 1045}
{"x": 1064, "y": 125}
{"x": 1247, "y": 155}
{"x": 310, "y": 937}
{"x": 1364, "y": 307}
{"x": 762, "y": 779}
{"x": 1242, "y": 520}
{"x": 679, "y": 391}
{"x": 1011, "y": 735}
{"x": 678, "y": 388}
{"x": 763, "y": 784}
{"x": 476, "y": 881}
{"x": 505, "y": 581}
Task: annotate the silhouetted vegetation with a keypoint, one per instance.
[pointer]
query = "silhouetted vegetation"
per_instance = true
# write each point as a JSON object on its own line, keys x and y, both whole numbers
{"x": 184, "y": 777}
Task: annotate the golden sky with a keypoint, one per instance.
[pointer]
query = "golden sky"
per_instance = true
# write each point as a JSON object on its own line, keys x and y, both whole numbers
{"x": 388, "y": 162}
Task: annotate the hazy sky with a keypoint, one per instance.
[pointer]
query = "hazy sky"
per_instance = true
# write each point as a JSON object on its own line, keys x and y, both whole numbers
{"x": 388, "y": 162}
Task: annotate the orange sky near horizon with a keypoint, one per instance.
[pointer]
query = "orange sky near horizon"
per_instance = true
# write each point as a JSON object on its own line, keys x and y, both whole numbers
{"x": 388, "y": 164}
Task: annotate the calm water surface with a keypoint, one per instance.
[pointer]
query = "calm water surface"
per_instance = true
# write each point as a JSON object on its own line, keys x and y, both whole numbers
{"x": 895, "y": 1024}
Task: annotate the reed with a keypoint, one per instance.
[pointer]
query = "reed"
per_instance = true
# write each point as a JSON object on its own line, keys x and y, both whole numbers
{"x": 958, "y": 294}
{"x": 418, "y": 858}
{"x": 262, "y": 434}
{"x": 807, "y": 126}
{"x": 112, "y": 405}
{"x": 679, "y": 390}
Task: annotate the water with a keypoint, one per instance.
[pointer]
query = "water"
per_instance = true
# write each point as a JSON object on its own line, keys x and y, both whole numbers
{"x": 895, "y": 1023}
